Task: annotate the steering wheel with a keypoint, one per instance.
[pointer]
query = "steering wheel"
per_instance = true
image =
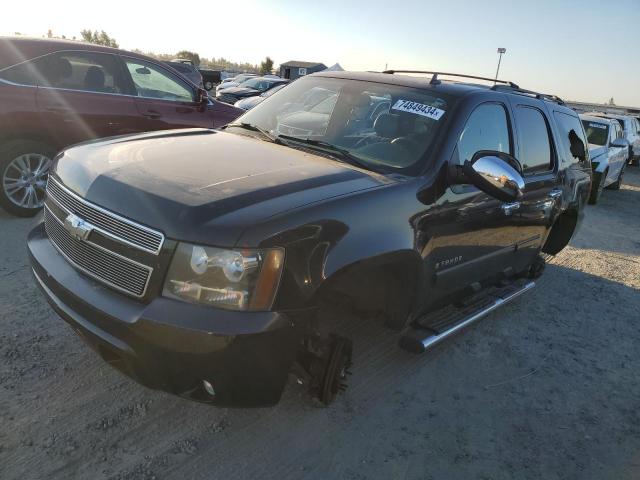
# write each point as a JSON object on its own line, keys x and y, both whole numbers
{"x": 408, "y": 144}
{"x": 364, "y": 141}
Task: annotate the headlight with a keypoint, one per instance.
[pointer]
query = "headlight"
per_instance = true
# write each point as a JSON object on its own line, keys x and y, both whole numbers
{"x": 232, "y": 279}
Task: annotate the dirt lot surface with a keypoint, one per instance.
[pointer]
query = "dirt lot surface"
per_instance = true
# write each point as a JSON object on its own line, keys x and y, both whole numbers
{"x": 548, "y": 387}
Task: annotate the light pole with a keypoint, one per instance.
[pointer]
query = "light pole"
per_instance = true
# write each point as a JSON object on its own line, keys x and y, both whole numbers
{"x": 500, "y": 52}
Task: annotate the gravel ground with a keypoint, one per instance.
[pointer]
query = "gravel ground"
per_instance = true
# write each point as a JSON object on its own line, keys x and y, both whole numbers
{"x": 546, "y": 387}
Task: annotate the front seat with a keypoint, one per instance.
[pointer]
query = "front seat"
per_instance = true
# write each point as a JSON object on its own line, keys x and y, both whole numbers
{"x": 94, "y": 79}
{"x": 57, "y": 70}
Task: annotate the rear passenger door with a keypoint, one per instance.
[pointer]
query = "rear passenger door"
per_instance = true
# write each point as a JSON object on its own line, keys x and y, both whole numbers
{"x": 536, "y": 151}
{"x": 83, "y": 96}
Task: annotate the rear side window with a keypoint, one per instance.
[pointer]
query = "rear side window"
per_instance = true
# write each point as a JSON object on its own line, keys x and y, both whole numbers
{"x": 572, "y": 137}
{"x": 487, "y": 129}
{"x": 86, "y": 71}
{"x": 27, "y": 73}
{"x": 533, "y": 135}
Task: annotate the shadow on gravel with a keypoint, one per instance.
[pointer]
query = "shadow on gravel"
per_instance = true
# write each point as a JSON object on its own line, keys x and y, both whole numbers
{"x": 612, "y": 225}
{"x": 545, "y": 388}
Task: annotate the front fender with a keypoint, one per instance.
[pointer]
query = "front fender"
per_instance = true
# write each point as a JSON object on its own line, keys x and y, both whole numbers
{"x": 322, "y": 241}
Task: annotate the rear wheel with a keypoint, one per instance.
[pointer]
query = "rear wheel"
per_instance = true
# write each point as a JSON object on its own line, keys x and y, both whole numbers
{"x": 596, "y": 187}
{"x": 208, "y": 86}
{"x": 24, "y": 167}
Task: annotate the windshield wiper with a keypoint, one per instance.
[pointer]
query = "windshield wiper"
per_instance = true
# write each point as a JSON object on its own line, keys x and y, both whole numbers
{"x": 342, "y": 153}
{"x": 254, "y": 128}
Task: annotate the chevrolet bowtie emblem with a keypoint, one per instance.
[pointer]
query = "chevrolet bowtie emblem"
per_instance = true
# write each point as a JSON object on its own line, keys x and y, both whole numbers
{"x": 78, "y": 228}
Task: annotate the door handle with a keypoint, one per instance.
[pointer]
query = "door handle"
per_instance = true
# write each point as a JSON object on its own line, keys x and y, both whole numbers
{"x": 53, "y": 109}
{"x": 509, "y": 208}
{"x": 152, "y": 114}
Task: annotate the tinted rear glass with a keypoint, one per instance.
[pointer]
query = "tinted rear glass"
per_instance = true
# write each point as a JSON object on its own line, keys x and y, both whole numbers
{"x": 597, "y": 133}
{"x": 572, "y": 137}
{"x": 535, "y": 146}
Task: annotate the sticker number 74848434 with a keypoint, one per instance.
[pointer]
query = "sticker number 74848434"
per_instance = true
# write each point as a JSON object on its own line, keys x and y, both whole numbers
{"x": 418, "y": 108}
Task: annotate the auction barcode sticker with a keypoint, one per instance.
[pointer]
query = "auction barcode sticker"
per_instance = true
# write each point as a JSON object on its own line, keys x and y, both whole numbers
{"x": 418, "y": 108}
{"x": 598, "y": 125}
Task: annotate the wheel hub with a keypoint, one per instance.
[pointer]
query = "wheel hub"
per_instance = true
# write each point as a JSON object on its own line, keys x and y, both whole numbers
{"x": 24, "y": 180}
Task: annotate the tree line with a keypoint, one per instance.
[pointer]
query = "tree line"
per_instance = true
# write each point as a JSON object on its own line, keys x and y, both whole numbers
{"x": 214, "y": 63}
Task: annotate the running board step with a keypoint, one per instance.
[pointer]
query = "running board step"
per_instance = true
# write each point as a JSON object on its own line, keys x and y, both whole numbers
{"x": 431, "y": 330}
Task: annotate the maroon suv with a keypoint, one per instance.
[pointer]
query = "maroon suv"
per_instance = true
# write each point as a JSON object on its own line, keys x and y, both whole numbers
{"x": 55, "y": 93}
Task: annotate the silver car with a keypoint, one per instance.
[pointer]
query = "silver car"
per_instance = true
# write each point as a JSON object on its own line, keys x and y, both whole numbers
{"x": 609, "y": 152}
{"x": 631, "y": 129}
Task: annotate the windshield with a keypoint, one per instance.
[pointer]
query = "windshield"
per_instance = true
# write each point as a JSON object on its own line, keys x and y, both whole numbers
{"x": 242, "y": 78}
{"x": 597, "y": 133}
{"x": 385, "y": 127}
{"x": 257, "y": 84}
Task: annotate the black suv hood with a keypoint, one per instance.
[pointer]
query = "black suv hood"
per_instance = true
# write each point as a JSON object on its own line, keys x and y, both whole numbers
{"x": 202, "y": 185}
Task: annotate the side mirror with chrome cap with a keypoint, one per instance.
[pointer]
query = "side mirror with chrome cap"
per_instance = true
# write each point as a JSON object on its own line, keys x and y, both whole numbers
{"x": 495, "y": 173}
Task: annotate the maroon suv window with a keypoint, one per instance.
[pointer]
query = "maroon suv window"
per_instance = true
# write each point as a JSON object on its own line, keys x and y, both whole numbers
{"x": 87, "y": 71}
{"x": 84, "y": 71}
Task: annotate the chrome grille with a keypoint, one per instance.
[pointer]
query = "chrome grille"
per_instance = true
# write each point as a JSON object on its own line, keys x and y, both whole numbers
{"x": 107, "y": 223}
{"x": 110, "y": 268}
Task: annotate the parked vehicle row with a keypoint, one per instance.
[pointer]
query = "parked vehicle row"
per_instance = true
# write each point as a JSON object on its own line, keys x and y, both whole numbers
{"x": 249, "y": 88}
{"x": 418, "y": 202}
{"x": 609, "y": 152}
{"x": 631, "y": 132}
{"x": 234, "y": 81}
{"x": 56, "y": 93}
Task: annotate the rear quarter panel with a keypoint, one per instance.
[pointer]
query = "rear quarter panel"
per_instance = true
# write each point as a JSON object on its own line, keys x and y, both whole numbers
{"x": 18, "y": 111}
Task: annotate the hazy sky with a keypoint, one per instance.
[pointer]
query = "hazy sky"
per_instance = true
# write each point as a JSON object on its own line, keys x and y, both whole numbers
{"x": 578, "y": 49}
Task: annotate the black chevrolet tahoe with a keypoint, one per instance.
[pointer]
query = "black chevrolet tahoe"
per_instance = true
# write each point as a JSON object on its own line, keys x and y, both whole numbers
{"x": 204, "y": 262}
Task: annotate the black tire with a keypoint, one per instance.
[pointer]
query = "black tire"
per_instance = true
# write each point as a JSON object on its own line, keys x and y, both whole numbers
{"x": 537, "y": 267}
{"x": 31, "y": 152}
{"x": 618, "y": 183}
{"x": 208, "y": 86}
{"x": 336, "y": 371}
{"x": 636, "y": 161}
{"x": 597, "y": 185}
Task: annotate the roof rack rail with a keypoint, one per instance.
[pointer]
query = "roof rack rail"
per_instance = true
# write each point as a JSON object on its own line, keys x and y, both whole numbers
{"x": 436, "y": 81}
{"x": 522, "y": 91}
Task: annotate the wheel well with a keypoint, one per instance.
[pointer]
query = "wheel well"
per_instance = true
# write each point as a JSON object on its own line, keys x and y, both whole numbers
{"x": 561, "y": 232}
{"x": 386, "y": 286}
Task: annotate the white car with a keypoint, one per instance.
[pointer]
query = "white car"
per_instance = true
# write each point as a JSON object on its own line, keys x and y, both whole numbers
{"x": 609, "y": 152}
{"x": 631, "y": 128}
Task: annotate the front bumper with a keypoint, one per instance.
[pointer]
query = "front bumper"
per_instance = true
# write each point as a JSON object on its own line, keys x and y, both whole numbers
{"x": 171, "y": 345}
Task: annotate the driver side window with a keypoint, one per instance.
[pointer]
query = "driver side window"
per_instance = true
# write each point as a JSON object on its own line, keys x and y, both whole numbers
{"x": 487, "y": 129}
{"x": 151, "y": 81}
